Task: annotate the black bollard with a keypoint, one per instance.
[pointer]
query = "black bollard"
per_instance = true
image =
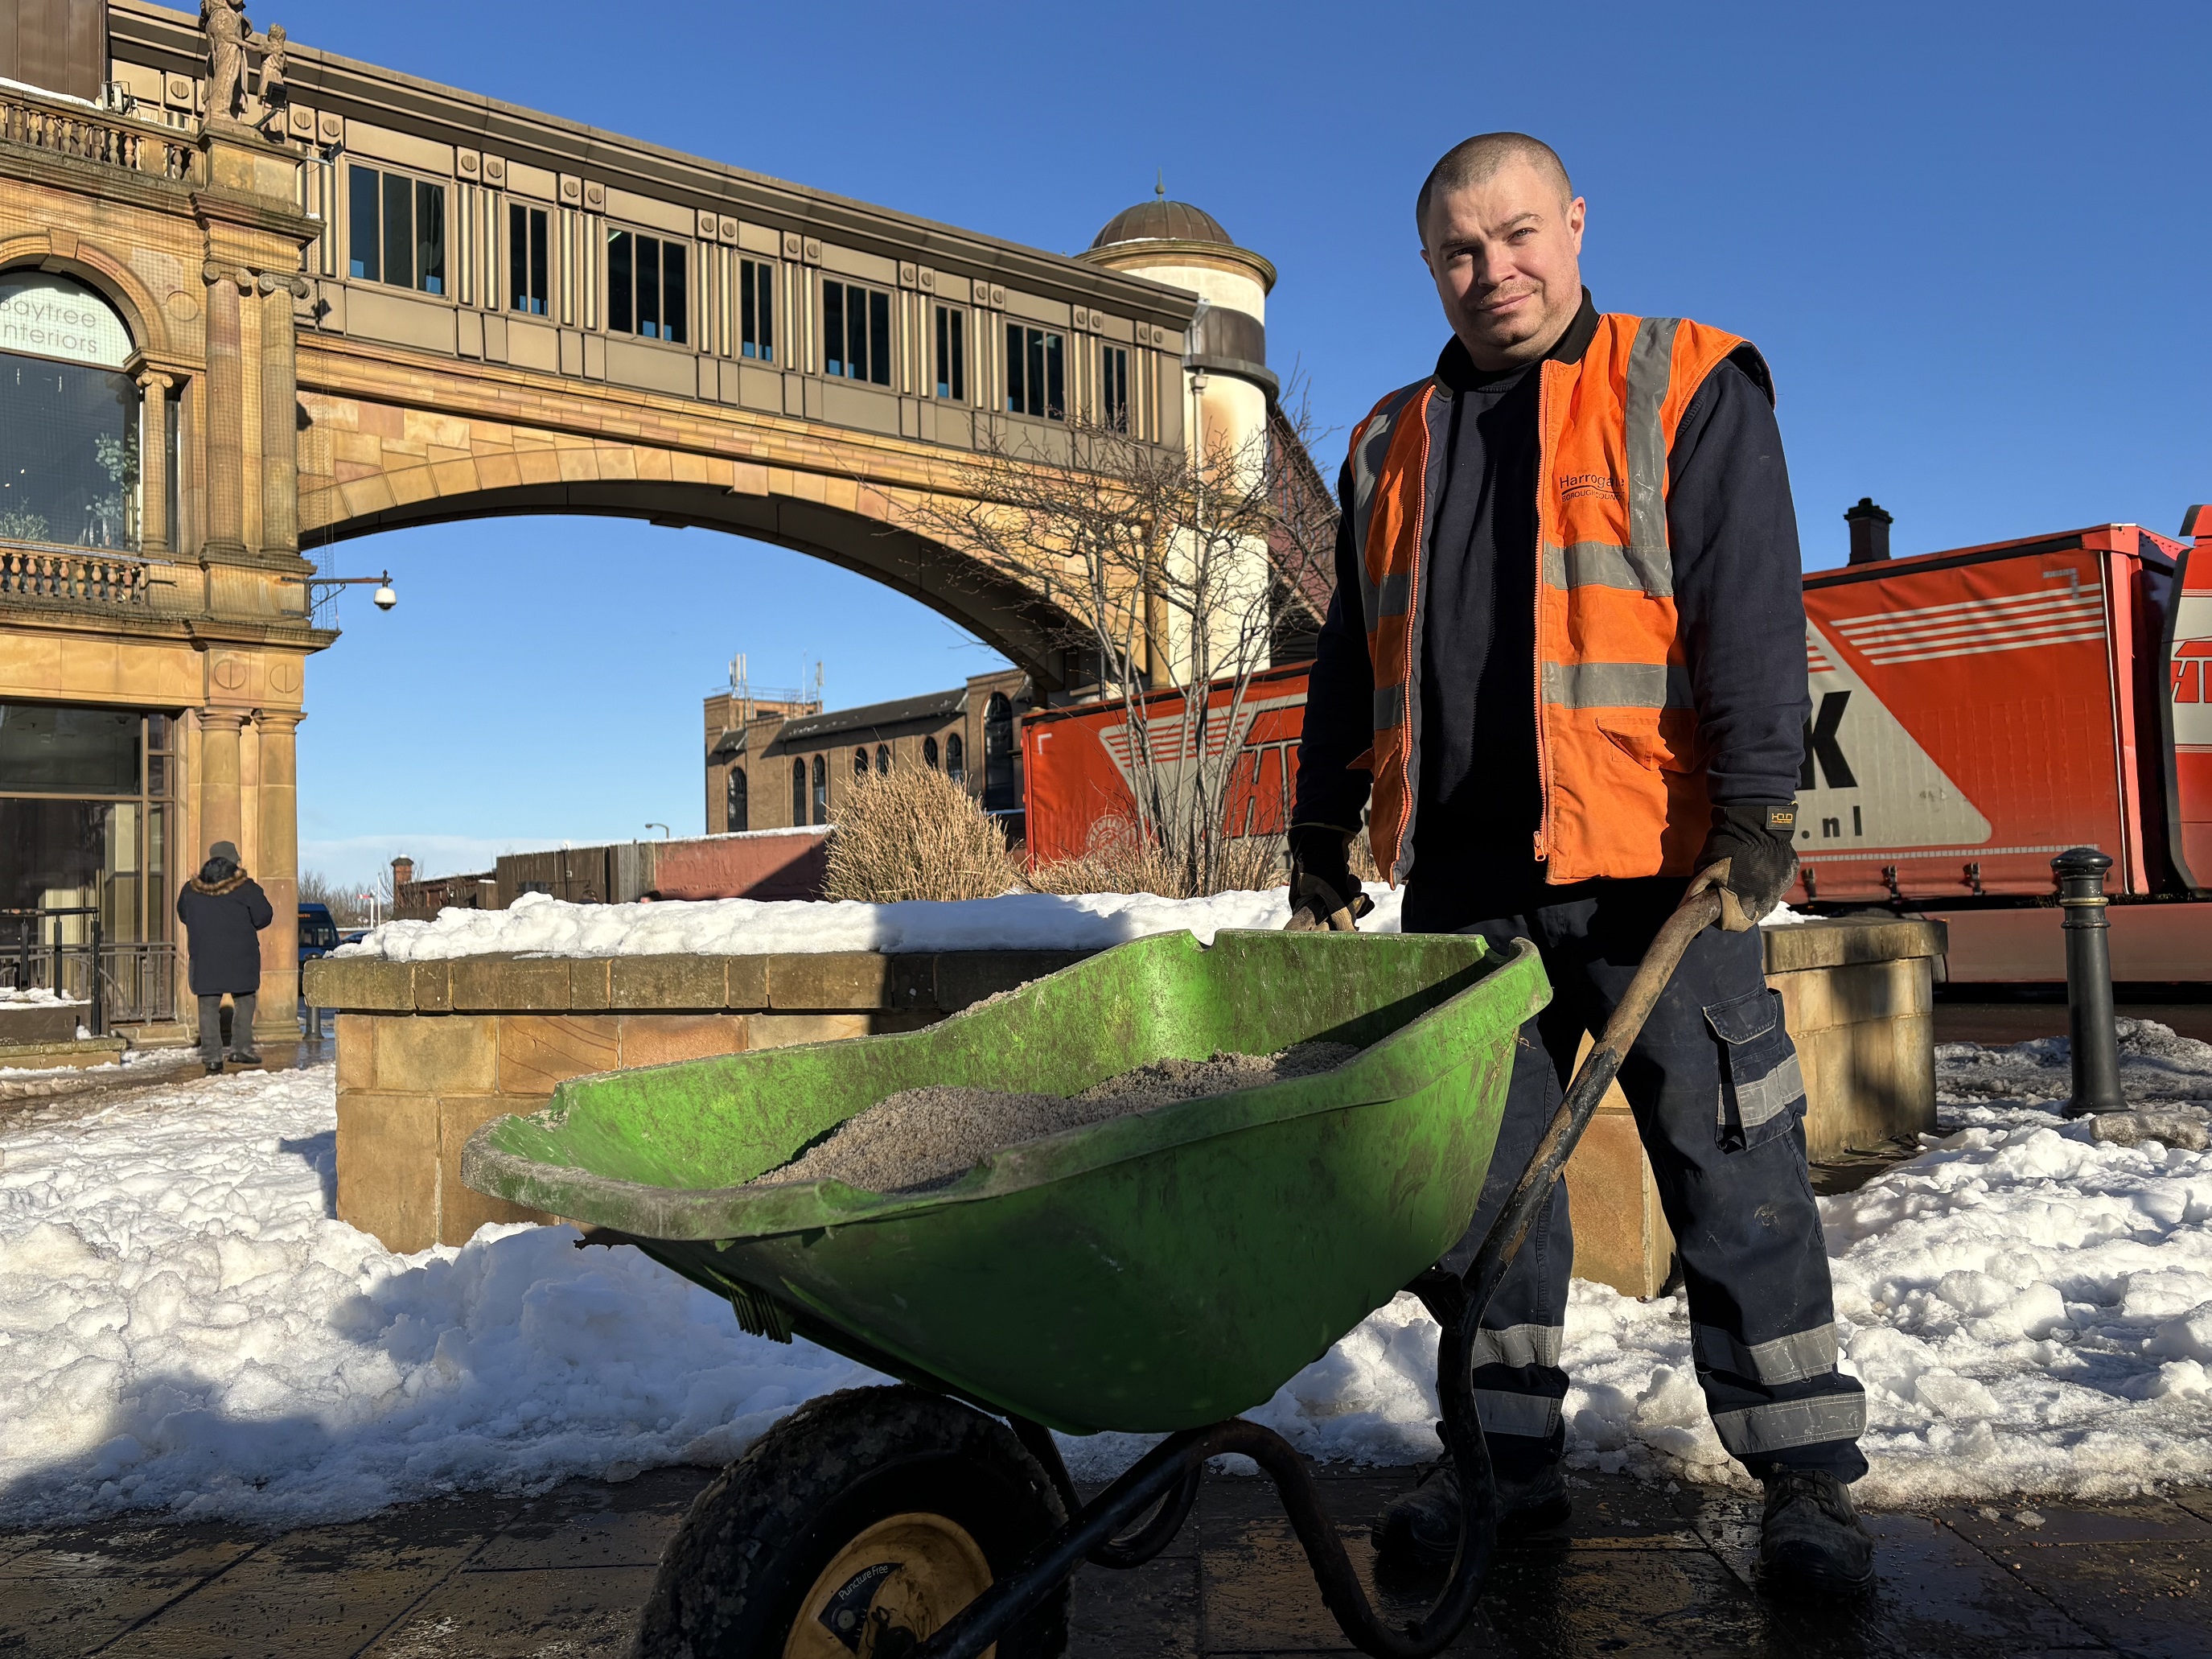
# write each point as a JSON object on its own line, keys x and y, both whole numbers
{"x": 2095, "y": 1048}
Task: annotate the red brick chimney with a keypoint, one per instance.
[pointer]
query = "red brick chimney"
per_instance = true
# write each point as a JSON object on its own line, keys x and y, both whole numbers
{"x": 403, "y": 871}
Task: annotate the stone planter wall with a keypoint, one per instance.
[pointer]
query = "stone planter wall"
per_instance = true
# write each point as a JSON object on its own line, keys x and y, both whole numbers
{"x": 428, "y": 1051}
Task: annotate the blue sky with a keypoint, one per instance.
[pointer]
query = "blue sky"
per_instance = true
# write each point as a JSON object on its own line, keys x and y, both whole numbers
{"x": 1972, "y": 239}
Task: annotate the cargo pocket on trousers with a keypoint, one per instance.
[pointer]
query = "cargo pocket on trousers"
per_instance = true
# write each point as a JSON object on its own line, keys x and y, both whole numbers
{"x": 1762, "y": 1089}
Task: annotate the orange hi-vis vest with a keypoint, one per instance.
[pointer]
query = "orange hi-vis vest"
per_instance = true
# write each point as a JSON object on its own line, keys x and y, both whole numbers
{"x": 1620, "y": 770}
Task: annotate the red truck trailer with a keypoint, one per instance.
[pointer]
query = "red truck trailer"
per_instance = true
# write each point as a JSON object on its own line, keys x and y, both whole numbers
{"x": 1974, "y": 713}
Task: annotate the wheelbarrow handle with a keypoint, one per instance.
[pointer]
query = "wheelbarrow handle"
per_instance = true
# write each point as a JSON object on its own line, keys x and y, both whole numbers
{"x": 1698, "y": 911}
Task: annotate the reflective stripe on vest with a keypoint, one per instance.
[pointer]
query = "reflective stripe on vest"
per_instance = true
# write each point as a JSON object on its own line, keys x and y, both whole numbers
{"x": 1621, "y": 773}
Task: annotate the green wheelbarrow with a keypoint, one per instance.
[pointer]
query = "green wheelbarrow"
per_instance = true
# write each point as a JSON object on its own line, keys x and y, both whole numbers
{"x": 1158, "y": 1273}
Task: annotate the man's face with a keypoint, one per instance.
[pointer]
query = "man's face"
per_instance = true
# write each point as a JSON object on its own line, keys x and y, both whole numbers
{"x": 1506, "y": 254}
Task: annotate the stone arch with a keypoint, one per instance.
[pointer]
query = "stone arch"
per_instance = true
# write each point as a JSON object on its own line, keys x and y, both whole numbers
{"x": 113, "y": 281}
{"x": 369, "y": 467}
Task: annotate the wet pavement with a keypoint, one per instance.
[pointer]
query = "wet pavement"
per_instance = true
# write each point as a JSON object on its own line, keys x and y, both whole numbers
{"x": 1638, "y": 1571}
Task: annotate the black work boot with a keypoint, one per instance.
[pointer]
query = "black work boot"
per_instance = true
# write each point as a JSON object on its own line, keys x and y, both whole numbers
{"x": 1810, "y": 1537}
{"x": 1422, "y": 1528}
{"x": 215, "y": 1066}
{"x": 247, "y": 1056}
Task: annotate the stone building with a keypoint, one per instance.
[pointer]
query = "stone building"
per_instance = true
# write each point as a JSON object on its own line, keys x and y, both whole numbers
{"x": 781, "y": 769}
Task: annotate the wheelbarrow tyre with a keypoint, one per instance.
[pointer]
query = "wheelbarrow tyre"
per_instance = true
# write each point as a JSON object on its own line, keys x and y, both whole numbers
{"x": 755, "y": 1549}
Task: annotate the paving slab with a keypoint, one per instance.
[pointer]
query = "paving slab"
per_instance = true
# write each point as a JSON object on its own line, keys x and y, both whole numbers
{"x": 529, "y": 1614}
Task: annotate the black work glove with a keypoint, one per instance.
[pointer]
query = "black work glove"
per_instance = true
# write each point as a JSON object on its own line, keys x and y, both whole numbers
{"x": 1750, "y": 858}
{"x": 1324, "y": 894}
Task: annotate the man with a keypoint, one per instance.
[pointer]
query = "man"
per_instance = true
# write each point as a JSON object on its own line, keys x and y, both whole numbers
{"x": 1563, "y": 672}
{"x": 224, "y": 910}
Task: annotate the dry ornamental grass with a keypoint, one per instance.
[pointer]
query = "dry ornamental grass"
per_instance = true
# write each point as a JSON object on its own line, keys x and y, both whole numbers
{"x": 914, "y": 834}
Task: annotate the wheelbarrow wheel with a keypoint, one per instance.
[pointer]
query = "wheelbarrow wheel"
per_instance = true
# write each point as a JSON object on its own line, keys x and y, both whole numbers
{"x": 853, "y": 1530}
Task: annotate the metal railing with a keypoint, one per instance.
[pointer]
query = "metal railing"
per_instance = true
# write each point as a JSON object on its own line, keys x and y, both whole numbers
{"x": 89, "y": 136}
{"x": 125, "y": 981}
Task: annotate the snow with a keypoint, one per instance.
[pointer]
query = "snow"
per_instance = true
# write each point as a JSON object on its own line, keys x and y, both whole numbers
{"x": 186, "y": 1329}
{"x": 541, "y": 925}
{"x": 538, "y": 924}
{"x": 36, "y": 996}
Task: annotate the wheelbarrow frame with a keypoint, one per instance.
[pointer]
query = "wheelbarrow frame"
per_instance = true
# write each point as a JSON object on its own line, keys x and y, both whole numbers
{"x": 1164, "y": 1483}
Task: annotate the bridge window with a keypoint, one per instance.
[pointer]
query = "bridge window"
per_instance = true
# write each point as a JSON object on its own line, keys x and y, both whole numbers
{"x": 395, "y": 227}
{"x": 1036, "y": 373}
{"x": 951, "y": 357}
{"x": 956, "y": 759}
{"x": 648, "y": 292}
{"x": 734, "y": 817}
{"x": 757, "y": 309}
{"x": 1001, "y": 792}
{"x": 856, "y": 332}
{"x": 528, "y": 243}
{"x": 797, "y": 793}
{"x": 929, "y": 753}
{"x": 883, "y": 760}
{"x": 822, "y": 789}
{"x": 1113, "y": 387}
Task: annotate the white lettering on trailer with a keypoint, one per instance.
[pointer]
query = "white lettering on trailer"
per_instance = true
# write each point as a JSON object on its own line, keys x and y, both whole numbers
{"x": 1866, "y": 784}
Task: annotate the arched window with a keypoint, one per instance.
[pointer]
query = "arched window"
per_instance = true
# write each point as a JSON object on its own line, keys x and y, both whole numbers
{"x": 734, "y": 816}
{"x": 929, "y": 753}
{"x": 71, "y": 419}
{"x": 797, "y": 793}
{"x": 822, "y": 789}
{"x": 956, "y": 758}
{"x": 883, "y": 760}
{"x": 861, "y": 761}
{"x": 1001, "y": 791}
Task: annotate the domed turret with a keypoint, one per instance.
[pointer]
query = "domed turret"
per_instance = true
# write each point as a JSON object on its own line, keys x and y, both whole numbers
{"x": 1162, "y": 221}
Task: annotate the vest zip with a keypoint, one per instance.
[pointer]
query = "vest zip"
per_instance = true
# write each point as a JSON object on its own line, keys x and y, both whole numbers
{"x": 1542, "y": 837}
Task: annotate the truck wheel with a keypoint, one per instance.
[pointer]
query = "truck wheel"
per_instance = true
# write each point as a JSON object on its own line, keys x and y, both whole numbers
{"x": 853, "y": 1529}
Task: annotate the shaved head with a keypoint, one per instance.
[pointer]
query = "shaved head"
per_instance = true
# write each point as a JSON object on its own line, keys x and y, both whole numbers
{"x": 1475, "y": 161}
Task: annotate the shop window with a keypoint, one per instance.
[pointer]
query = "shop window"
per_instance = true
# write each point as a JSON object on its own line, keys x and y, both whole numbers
{"x": 69, "y": 419}
{"x": 1036, "y": 373}
{"x": 649, "y": 290}
{"x": 733, "y": 800}
{"x": 956, "y": 759}
{"x": 84, "y": 804}
{"x": 528, "y": 243}
{"x": 396, "y": 229}
{"x": 856, "y": 332}
{"x": 797, "y": 793}
{"x": 883, "y": 760}
{"x": 1113, "y": 387}
{"x": 1000, "y": 790}
{"x": 929, "y": 753}
{"x": 822, "y": 789}
{"x": 757, "y": 309}
{"x": 953, "y": 354}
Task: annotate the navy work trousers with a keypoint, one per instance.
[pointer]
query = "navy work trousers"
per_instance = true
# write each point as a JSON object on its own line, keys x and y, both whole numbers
{"x": 1719, "y": 1103}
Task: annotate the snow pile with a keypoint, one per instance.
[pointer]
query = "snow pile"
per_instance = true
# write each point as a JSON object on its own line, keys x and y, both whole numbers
{"x": 1013, "y": 922}
{"x": 539, "y": 924}
{"x": 35, "y": 996}
{"x": 185, "y": 1328}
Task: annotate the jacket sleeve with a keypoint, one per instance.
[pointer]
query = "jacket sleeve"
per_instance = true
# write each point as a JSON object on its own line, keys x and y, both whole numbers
{"x": 258, "y": 910}
{"x": 1738, "y": 587}
{"x": 1339, "y": 718}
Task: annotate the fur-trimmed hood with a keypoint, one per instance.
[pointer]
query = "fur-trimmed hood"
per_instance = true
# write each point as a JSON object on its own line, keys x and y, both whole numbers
{"x": 230, "y": 884}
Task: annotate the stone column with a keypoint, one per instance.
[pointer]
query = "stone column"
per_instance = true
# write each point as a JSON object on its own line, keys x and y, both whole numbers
{"x": 155, "y": 529}
{"x": 280, "y": 438}
{"x": 225, "y": 411}
{"x": 276, "y": 1016}
{"x": 221, "y": 804}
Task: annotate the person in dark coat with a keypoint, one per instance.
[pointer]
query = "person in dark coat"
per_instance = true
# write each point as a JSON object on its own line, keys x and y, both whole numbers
{"x": 223, "y": 910}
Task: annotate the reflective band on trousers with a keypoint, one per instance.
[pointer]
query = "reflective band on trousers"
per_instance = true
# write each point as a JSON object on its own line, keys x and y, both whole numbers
{"x": 1520, "y": 1345}
{"x": 1763, "y": 1098}
{"x": 1787, "y": 1422}
{"x": 1790, "y": 1358}
{"x": 1617, "y": 685}
{"x": 1531, "y": 1415}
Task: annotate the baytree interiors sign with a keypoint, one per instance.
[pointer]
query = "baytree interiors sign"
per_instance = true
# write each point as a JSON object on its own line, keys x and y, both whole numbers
{"x": 43, "y": 316}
